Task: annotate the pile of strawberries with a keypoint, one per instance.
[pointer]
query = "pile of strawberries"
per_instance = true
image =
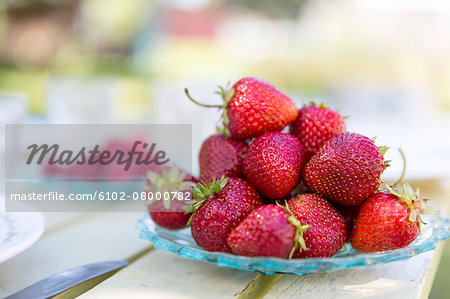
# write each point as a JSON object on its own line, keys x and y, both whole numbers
{"x": 284, "y": 182}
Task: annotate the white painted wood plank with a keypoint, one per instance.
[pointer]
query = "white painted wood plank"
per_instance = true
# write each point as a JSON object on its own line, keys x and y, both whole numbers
{"x": 94, "y": 238}
{"x": 55, "y": 219}
{"x": 161, "y": 274}
{"x": 403, "y": 279}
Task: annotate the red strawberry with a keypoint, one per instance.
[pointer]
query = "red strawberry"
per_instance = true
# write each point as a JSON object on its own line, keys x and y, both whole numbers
{"x": 273, "y": 164}
{"x": 172, "y": 217}
{"x": 221, "y": 156}
{"x": 267, "y": 231}
{"x": 218, "y": 208}
{"x": 253, "y": 107}
{"x": 349, "y": 213}
{"x": 169, "y": 213}
{"x": 316, "y": 124}
{"x": 346, "y": 169}
{"x": 326, "y": 233}
{"x": 388, "y": 220}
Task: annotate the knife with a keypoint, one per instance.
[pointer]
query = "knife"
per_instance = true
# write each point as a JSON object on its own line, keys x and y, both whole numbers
{"x": 60, "y": 282}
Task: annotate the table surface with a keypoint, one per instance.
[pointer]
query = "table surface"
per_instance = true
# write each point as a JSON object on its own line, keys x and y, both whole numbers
{"x": 74, "y": 239}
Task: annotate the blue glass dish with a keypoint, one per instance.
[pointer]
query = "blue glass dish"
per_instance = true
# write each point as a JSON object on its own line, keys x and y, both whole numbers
{"x": 181, "y": 242}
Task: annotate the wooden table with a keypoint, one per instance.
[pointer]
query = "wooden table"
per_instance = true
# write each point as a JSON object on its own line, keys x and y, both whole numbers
{"x": 74, "y": 239}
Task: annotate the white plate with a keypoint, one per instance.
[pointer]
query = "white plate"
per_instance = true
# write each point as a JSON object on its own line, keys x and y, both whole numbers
{"x": 18, "y": 231}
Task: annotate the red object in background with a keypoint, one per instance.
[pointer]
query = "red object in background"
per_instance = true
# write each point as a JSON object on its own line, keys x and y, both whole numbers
{"x": 113, "y": 171}
{"x": 202, "y": 23}
{"x": 117, "y": 171}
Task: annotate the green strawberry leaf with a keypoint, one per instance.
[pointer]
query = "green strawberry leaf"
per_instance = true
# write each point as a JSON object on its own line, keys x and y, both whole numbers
{"x": 299, "y": 241}
{"x": 383, "y": 149}
{"x": 412, "y": 200}
{"x": 170, "y": 180}
{"x": 202, "y": 192}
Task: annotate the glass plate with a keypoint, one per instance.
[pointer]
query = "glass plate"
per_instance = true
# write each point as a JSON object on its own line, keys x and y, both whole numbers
{"x": 181, "y": 242}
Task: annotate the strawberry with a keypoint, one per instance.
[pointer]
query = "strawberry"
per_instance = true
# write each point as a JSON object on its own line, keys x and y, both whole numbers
{"x": 218, "y": 208}
{"x": 316, "y": 124}
{"x": 349, "y": 213}
{"x": 169, "y": 213}
{"x": 252, "y": 107}
{"x": 324, "y": 228}
{"x": 273, "y": 164}
{"x": 346, "y": 169}
{"x": 267, "y": 231}
{"x": 171, "y": 216}
{"x": 388, "y": 220}
{"x": 221, "y": 156}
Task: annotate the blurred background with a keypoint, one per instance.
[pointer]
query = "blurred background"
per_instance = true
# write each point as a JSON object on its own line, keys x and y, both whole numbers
{"x": 384, "y": 63}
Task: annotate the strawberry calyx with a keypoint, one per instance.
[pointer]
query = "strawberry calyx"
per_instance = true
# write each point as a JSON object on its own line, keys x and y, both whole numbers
{"x": 412, "y": 200}
{"x": 383, "y": 149}
{"x": 299, "y": 241}
{"x": 226, "y": 94}
{"x": 223, "y": 131}
{"x": 168, "y": 180}
{"x": 322, "y": 105}
{"x": 202, "y": 192}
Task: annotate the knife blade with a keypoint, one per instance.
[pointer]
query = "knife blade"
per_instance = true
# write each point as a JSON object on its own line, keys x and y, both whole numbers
{"x": 60, "y": 282}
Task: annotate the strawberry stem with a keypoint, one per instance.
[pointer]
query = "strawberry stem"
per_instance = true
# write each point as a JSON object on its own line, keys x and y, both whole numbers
{"x": 223, "y": 130}
{"x": 198, "y": 103}
{"x": 400, "y": 179}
